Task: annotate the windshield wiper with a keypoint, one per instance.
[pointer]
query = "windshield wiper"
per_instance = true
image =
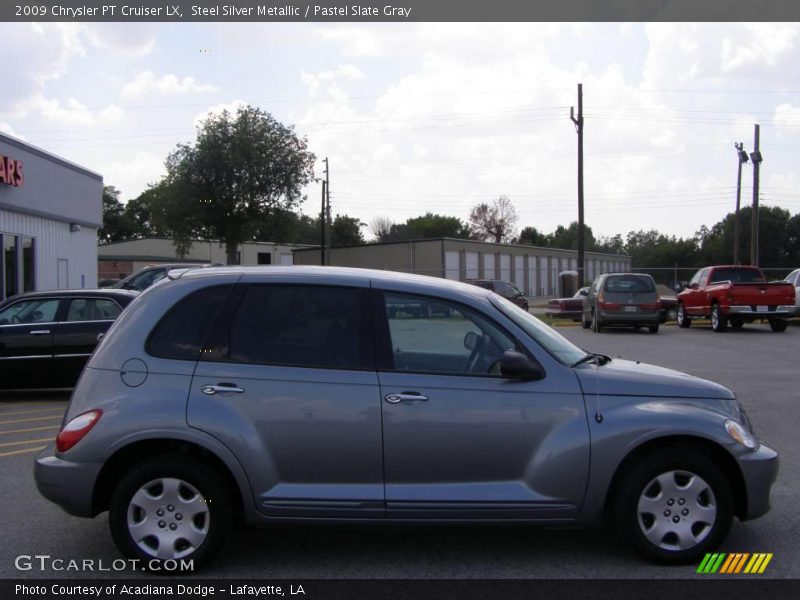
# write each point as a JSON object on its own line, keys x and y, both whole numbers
{"x": 599, "y": 359}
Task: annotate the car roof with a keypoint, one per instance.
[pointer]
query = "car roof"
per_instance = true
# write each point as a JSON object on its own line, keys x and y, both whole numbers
{"x": 345, "y": 274}
{"x": 75, "y": 293}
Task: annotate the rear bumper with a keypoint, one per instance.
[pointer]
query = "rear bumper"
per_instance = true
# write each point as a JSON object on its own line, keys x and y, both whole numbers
{"x": 622, "y": 318}
{"x": 783, "y": 311}
{"x": 759, "y": 469}
{"x": 68, "y": 484}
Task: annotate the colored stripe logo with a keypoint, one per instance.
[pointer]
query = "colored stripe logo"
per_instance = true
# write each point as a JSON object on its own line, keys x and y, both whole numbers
{"x": 734, "y": 563}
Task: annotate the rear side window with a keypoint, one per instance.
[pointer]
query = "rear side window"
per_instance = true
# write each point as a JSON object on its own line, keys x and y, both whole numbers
{"x": 181, "y": 332}
{"x": 303, "y": 326}
{"x": 630, "y": 283}
{"x": 92, "y": 309}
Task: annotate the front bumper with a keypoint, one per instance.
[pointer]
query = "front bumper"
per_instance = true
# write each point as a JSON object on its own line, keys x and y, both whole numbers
{"x": 68, "y": 484}
{"x": 759, "y": 469}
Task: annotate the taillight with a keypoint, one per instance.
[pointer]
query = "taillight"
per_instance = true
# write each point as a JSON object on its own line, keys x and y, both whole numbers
{"x": 73, "y": 432}
{"x": 655, "y": 306}
{"x": 601, "y": 298}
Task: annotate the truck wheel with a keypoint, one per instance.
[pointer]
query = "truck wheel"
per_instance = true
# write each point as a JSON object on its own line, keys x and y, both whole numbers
{"x": 718, "y": 322}
{"x": 673, "y": 506}
{"x": 682, "y": 318}
{"x": 584, "y": 323}
{"x": 170, "y": 508}
{"x": 777, "y": 324}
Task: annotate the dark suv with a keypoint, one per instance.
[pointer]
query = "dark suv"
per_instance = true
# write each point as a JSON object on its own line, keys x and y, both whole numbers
{"x": 622, "y": 299}
{"x": 504, "y": 288}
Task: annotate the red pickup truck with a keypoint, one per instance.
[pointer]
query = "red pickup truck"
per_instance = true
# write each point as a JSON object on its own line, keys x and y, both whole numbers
{"x": 735, "y": 295}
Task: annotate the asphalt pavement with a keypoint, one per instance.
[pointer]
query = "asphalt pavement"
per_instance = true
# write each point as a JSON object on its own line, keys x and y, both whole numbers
{"x": 760, "y": 366}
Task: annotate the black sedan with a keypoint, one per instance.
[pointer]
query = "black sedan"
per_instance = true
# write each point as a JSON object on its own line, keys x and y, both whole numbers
{"x": 47, "y": 337}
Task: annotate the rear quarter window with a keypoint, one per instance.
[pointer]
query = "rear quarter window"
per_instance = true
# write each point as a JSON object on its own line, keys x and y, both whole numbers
{"x": 181, "y": 332}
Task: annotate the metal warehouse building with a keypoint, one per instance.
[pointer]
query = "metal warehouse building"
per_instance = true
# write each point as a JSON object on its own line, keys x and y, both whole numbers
{"x": 50, "y": 210}
{"x": 533, "y": 269}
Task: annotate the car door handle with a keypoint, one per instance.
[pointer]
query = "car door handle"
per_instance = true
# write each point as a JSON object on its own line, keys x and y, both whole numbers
{"x": 40, "y": 332}
{"x": 222, "y": 388}
{"x": 405, "y": 397}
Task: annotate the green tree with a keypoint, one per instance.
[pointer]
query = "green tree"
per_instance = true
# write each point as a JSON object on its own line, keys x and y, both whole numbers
{"x": 431, "y": 225}
{"x": 224, "y": 185}
{"x": 117, "y": 226}
{"x": 531, "y": 236}
{"x": 346, "y": 231}
{"x": 567, "y": 237}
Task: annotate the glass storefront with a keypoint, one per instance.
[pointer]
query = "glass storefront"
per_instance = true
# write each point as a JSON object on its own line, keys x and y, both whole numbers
{"x": 17, "y": 266}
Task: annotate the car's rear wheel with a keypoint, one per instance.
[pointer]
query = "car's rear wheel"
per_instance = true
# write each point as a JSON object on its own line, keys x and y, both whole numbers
{"x": 718, "y": 322}
{"x": 170, "y": 508}
{"x": 653, "y": 328}
{"x": 682, "y": 318}
{"x": 777, "y": 324}
{"x": 674, "y": 506}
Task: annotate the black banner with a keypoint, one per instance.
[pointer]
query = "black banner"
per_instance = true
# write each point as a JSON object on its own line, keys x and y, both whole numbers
{"x": 705, "y": 587}
{"x": 400, "y": 10}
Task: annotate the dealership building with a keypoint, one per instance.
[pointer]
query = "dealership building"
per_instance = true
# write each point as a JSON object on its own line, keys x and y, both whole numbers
{"x": 50, "y": 210}
{"x": 534, "y": 270}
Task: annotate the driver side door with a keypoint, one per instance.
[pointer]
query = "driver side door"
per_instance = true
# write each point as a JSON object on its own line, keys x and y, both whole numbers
{"x": 460, "y": 440}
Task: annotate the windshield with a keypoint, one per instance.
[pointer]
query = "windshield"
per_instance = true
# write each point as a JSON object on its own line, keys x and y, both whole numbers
{"x": 559, "y": 347}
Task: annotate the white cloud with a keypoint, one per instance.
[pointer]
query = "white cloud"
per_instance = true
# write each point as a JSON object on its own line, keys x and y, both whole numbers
{"x": 147, "y": 83}
{"x": 787, "y": 118}
{"x": 7, "y": 128}
{"x": 132, "y": 176}
{"x": 218, "y": 109}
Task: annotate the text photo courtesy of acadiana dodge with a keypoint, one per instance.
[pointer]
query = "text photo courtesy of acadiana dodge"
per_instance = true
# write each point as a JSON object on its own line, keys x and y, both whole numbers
{"x": 104, "y": 591}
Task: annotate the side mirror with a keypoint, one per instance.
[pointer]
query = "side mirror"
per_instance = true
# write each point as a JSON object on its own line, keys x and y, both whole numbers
{"x": 518, "y": 366}
{"x": 470, "y": 340}
{"x": 583, "y": 292}
{"x": 695, "y": 286}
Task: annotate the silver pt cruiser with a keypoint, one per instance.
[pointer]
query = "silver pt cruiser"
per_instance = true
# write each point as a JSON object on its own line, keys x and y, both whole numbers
{"x": 324, "y": 394}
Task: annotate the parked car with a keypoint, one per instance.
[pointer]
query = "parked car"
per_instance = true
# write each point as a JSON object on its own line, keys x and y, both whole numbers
{"x": 144, "y": 278}
{"x": 289, "y": 394}
{"x": 668, "y": 307}
{"x": 504, "y": 288}
{"x": 794, "y": 279}
{"x": 46, "y": 337}
{"x": 567, "y": 308}
{"x": 736, "y": 295}
{"x": 622, "y": 299}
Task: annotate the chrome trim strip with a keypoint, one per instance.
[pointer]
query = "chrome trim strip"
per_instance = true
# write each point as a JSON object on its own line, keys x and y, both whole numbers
{"x": 26, "y": 356}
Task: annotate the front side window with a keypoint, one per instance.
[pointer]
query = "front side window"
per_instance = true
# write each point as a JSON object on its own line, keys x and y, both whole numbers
{"x": 92, "y": 309}
{"x": 303, "y": 326}
{"x": 39, "y": 310}
{"x": 429, "y": 335}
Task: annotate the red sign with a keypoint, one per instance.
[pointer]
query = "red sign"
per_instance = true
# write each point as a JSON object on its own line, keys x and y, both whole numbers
{"x": 11, "y": 171}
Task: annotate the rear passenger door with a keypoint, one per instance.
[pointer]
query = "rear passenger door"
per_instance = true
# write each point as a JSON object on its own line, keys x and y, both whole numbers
{"x": 287, "y": 381}
{"x": 75, "y": 335}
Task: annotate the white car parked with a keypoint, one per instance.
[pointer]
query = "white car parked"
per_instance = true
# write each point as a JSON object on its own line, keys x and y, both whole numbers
{"x": 794, "y": 279}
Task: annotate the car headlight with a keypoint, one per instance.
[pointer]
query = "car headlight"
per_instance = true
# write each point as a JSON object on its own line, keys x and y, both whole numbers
{"x": 740, "y": 434}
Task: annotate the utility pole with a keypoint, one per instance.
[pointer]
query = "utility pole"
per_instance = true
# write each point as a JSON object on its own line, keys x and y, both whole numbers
{"x": 742, "y": 159}
{"x": 322, "y": 227}
{"x": 755, "y": 156}
{"x": 327, "y": 213}
{"x": 579, "y": 129}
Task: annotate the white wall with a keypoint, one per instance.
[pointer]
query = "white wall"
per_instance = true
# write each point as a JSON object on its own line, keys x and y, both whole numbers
{"x": 52, "y": 241}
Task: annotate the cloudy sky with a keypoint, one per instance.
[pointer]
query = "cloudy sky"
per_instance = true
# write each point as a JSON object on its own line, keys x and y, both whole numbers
{"x": 435, "y": 117}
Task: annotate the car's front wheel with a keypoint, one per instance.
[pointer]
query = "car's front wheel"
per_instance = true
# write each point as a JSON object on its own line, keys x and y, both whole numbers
{"x": 674, "y": 506}
{"x": 170, "y": 508}
{"x": 682, "y": 318}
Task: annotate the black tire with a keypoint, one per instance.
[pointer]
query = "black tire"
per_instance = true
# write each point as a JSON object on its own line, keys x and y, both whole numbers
{"x": 719, "y": 323}
{"x": 639, "y": 483}
{"x": 778, "y": 325}
{"x": 597, "y": 327}
{"x": 653, "y": 328}
{"x": 584, "y": 323}
{"x": 682, "y": 318}
{"x": 197, "y": 475}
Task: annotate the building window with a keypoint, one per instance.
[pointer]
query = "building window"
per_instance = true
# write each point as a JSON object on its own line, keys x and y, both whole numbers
{"x": 264, "y": 258}
{"x": 28, "y": 280}
{"x": 10, "y": 270}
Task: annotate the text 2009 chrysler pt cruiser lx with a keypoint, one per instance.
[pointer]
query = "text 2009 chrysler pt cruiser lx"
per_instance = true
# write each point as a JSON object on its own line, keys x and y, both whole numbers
{"x": 303, "y": 394}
